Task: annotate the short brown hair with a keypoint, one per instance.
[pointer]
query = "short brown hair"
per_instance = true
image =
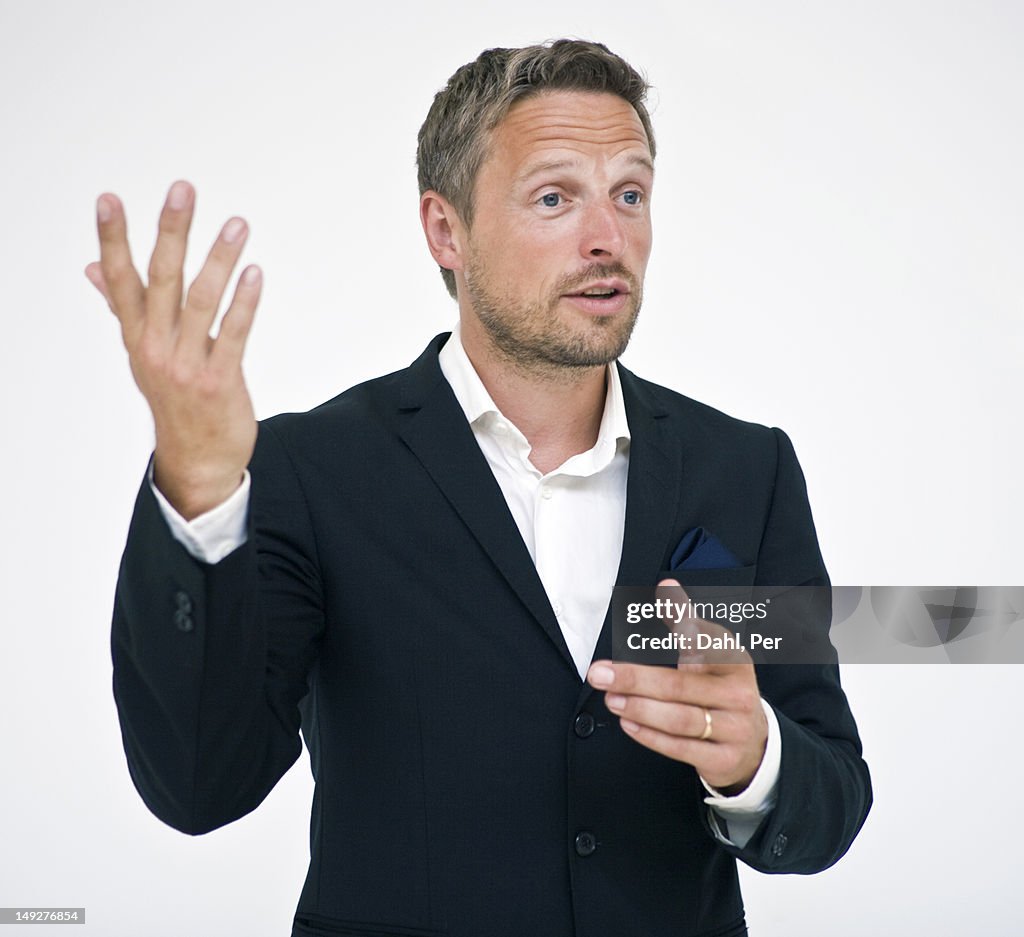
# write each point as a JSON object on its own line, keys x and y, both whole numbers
{"x": 452, "y": 142}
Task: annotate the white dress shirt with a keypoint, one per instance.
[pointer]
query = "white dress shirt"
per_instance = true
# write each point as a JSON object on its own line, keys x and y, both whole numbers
{"x": 572, "y": 521}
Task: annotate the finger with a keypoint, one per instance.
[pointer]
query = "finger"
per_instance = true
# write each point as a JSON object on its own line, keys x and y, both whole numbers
{"x": 94, "y": 274}
{"x": 734, "y": 692}
{"x": 700, "y": 754}
{"x": 670, "y": 717}
{"x": 237, "y": 322}
{"x": 705, "y": 642}
{"x": 124, "y": 287}
{"x": 163, "y": 298}
{"x": 722, "y": 761}
{"x": 721, "y": 765}
{"x": 641, "y": 679}
{"x": 207, "y": 290}
{"x": 719, "y": 653}
{"x": 680, "y": 621}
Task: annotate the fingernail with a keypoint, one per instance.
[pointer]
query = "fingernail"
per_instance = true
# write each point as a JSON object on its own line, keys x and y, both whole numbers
{"x": 602, "y": 676}
{"x": 177, "y": 198}
{"x": 103, "y": 209}
{"x": 251, "y": 276}
{"x": 233, "y": 230}
{"x": 615, "y": 701}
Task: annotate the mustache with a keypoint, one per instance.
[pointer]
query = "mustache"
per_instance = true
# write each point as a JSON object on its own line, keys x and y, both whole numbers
{"x": 574, "y": 281}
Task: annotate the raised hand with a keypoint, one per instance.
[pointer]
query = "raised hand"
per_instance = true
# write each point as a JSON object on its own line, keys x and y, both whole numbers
{"x": 203, "y": 415}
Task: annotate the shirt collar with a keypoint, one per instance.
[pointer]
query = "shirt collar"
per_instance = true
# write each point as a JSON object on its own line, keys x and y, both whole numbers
{"x": 477, "y": 403}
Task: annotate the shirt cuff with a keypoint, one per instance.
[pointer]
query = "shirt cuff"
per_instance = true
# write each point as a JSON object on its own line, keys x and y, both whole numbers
{"x": 213, "y": 535}
{"x": 745, "y": 811}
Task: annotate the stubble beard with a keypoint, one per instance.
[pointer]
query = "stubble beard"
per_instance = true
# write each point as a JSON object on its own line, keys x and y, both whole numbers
{"x": 537, "y": 340}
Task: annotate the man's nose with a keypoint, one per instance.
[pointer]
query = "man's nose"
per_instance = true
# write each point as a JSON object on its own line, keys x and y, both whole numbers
{"x": 602, "y": 233}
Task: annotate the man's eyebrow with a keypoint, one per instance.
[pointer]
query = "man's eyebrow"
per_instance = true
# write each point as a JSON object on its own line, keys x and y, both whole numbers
{"x": 549, "y": 165}
{"x": 553, "y": 165}
{"x": 645, "y": 161}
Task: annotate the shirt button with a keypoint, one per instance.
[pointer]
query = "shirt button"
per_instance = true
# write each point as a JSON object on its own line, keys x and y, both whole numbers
{"x": 557, "y": 608}
{"x": 586, "y": 843}
{"x": 584, "y": 725}
{"x": 546, "y": 494}
{"x": 183, "y": 620}
{"x": 183, "y": 600}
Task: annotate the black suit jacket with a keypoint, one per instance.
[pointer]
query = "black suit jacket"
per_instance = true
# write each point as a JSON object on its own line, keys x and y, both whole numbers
{"x": 386, "y": 604}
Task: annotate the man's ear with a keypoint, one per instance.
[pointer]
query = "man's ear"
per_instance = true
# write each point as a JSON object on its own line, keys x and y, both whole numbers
{"x": 444, "y": 230}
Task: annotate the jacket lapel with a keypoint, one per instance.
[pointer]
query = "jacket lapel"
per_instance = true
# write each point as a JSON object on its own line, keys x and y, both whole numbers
{"x": 434, "y": 427}
{"x": 653, "y": 487}
{"x": 652, "y": 492}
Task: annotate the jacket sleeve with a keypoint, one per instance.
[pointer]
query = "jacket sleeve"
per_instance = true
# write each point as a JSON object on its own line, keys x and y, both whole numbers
{"x": 210, "y": 662}
{"x": 824, "y": 788}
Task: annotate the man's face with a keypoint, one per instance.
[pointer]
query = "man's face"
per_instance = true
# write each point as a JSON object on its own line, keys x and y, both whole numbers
{"x": 561, "y": 208}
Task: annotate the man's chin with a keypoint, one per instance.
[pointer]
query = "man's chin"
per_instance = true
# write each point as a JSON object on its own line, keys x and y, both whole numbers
{"x": 588, "y": 351}
{"x": 601, "y": 340}
{"x": 557, "y": 337}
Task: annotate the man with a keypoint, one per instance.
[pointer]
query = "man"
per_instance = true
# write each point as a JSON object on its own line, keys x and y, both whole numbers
{"x": 418, "y": 572}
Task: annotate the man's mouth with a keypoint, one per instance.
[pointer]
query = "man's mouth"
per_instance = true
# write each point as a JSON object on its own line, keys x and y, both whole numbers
{"x": 602, "y": 298}
{"x": 606, "y": 289}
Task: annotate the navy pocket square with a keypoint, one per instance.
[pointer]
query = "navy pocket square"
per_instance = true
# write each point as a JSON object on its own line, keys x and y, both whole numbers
{"x": 700, "y": 550}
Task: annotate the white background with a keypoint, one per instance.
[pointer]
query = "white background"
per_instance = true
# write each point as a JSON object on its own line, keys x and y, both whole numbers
{"x": 838, "y": 243}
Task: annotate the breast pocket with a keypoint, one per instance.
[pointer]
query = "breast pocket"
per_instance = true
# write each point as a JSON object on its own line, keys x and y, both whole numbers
{"x": 729, "y": 581}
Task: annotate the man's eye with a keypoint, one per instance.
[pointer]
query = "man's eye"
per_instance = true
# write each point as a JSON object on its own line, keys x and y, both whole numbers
{"x": 633, "y": 197}
{"x": 550, "y": 200}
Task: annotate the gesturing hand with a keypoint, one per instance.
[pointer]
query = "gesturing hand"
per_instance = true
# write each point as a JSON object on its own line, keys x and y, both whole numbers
{"x": 706, "y": 712}
{"x": 203, "y": 415}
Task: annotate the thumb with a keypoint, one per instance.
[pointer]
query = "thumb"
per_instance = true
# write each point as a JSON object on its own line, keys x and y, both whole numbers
{"x": 94, "y": 274}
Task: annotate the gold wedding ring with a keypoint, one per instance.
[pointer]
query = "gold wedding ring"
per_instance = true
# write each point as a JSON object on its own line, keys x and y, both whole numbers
{"x": 706, "y": 734}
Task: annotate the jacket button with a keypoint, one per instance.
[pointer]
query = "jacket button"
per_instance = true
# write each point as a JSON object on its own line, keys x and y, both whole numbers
{"x": 183, "y": 620}
{"x": 584, "y": 725}
{"x": 183, "y": 600}
{"x": 586, "y": 843}
{"x": 779, "y": 846}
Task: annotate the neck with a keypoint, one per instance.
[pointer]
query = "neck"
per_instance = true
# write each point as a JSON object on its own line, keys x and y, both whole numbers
{"x": 558, "y": 409}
